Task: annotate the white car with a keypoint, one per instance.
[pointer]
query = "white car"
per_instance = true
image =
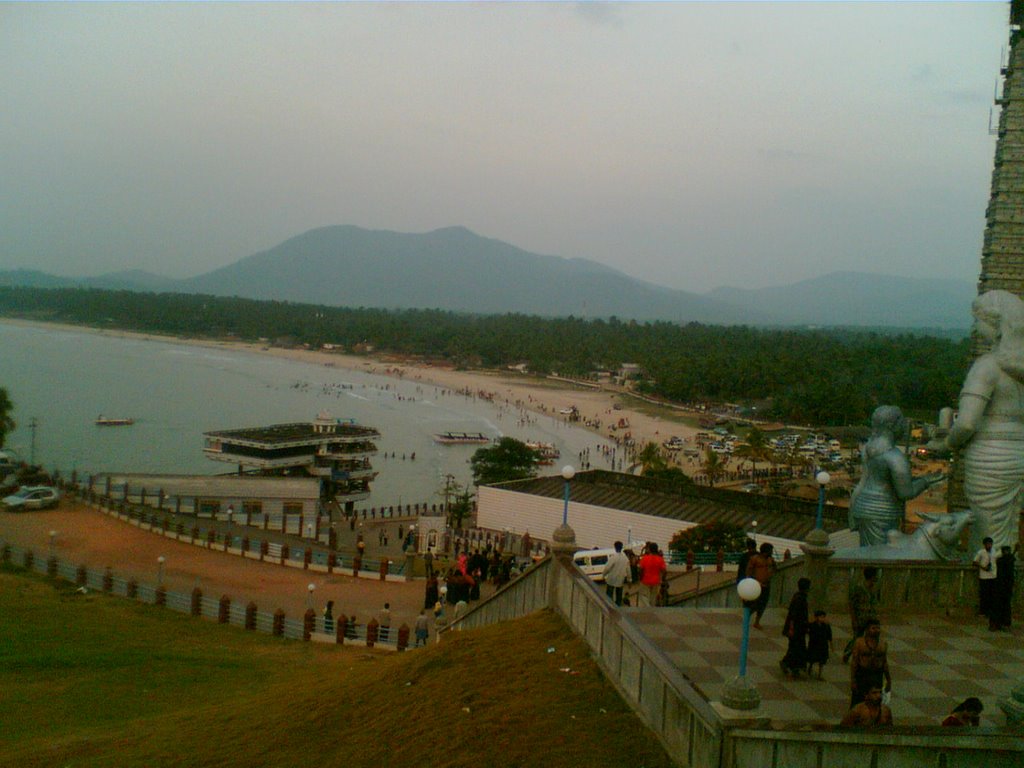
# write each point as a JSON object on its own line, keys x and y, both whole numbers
{"x": 33, "y": 497}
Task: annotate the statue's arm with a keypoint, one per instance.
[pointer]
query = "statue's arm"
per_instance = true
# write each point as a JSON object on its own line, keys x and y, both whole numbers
{"x": 974, "y": 399}
{"x": 903, "y": 482}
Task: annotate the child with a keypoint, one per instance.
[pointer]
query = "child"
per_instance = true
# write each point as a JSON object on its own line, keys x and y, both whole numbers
{"x": 819, "y": 642}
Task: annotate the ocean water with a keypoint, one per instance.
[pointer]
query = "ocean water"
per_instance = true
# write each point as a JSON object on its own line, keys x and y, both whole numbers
{"x": 175, "y": 392}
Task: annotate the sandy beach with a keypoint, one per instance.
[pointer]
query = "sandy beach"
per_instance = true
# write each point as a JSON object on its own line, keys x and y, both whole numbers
{"x": 600, "y": 408}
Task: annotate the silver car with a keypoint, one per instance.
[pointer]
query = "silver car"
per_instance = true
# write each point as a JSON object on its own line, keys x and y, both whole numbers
{"x": 32, "y": 497}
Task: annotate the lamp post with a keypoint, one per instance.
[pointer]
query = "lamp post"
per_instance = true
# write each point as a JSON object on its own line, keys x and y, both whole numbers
{"x": 818, "y": 537}
{"x": 309, "y": 598}
{"x": 53, "y": 535}
{"x": 740, "y": 694}
{"x": 563, "y": 540}
{"x": 753, "y": 530}
{"x": 568, "y": 473}
{"x": 160, "y": 570}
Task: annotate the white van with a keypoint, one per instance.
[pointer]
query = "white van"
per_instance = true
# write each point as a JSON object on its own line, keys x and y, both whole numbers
{"x": 592, "y": 562}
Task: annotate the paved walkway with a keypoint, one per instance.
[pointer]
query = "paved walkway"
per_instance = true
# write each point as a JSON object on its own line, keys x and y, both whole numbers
{"x": 936, "y": 662}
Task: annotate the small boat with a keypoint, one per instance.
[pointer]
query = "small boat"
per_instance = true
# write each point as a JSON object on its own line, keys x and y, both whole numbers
{"x": 104, "y": 421}
{"x": 548, "y": 452}
{"x": 461, "y": 438}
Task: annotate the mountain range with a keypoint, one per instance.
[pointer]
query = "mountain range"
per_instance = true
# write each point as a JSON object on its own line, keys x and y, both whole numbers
{"x": 456, "y": 269}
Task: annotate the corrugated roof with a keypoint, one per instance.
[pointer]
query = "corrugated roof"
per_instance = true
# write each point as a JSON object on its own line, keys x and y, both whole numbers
{"x": 777, "y": 517}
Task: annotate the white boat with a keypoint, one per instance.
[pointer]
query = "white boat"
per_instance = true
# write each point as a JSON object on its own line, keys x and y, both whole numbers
{"x": 104, "y": 421}
{"x": 548, "y": 452}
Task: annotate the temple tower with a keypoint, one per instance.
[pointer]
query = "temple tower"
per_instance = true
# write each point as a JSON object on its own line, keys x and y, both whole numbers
{"x": 1002, "y": 252}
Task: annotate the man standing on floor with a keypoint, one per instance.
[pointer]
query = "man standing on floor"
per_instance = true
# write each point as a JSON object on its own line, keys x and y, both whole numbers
{"x": 869, "y": 663}
{"x": 616, "y": 574}
{"x": 652, "y": 571}
{"x": 985, "y": 561}
{"x": 863, "y": 602}
{"x": 761, "y": 567}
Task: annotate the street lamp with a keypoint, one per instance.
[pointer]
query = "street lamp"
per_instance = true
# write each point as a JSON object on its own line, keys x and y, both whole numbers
{"x": 53, "y": 535}
{"x": 309, "y": 598}
{"x": 823, "y": 478}
{"x": 753, "y": 530}
{"x": 740, "y": 694}
{"x": 568, "y": 473}
{"x": 160, "y": 570}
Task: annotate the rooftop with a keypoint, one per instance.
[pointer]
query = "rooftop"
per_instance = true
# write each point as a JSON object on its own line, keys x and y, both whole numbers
{"x": 280, "y": 434}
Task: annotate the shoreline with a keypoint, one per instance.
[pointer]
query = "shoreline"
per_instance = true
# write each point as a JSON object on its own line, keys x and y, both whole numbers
{"x": 542, "y": 396}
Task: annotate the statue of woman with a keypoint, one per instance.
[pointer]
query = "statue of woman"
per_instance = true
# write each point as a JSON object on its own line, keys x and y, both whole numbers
{"x": 878, "y": 503}
{"x": 990, "y": 422}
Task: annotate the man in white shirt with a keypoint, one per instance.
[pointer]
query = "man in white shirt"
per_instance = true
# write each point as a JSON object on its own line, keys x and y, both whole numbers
{"x": 985, "y": 560}
{"x": 616, "y": 574}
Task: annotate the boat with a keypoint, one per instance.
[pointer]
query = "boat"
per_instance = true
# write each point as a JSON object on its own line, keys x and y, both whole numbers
{"x": 547, "y": 451}
{"x": 104, "y": 421}
{"x": 461, "y": 438}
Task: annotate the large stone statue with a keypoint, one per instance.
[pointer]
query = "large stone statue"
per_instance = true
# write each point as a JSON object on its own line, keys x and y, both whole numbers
{"x": 878, "y": 503}
{"x": 936, "y": 538}
{"x": 990, "y": 424}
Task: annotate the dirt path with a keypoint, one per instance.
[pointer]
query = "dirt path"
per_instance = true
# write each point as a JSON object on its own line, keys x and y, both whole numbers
{"x": 86, "y": 536}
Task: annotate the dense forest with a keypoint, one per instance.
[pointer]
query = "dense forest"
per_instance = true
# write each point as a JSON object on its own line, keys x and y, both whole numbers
{"x": 814, "y": 377}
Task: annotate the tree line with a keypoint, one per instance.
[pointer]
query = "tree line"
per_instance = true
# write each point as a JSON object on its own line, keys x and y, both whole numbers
{"x": 822, "y": 377}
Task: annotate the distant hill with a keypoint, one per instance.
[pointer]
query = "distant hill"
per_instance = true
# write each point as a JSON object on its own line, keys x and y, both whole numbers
{"x": 455, "y": 269}
{"x": 858, "y": 298}
{"x": 452, "y": 269}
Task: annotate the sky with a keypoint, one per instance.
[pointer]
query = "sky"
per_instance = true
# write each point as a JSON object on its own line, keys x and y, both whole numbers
{"x": 691, "y": 145}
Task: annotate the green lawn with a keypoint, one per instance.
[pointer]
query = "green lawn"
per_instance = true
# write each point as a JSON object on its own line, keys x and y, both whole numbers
{"x": 91, "y": 680}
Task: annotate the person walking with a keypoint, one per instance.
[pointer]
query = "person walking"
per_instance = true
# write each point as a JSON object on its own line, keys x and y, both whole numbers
{"x": 869, "y": 663}
{"x": 329, "y": 617}
{"x": 761, "y": 567}
{"x": 384, "y": 622}
{"x": 422, "y": 629}
{"x": 985, "y": 562}
{"x": 652, "y": 571}
{"x": 819, "y": 642}
{"x": 795, "y": 628}
{"x": 1002, "y": 600}
{"x": 616, "y": 574}
{"x": 862, "y": 599}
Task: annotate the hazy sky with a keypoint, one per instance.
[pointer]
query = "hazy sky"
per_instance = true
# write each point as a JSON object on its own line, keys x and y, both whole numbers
{"x": 689, "y": 144}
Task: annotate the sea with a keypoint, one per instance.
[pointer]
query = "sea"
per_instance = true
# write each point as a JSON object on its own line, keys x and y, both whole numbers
{"x": 60, "y": 380}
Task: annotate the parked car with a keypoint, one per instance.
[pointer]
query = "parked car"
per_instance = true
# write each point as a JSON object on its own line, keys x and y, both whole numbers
{"x": 32, "y": 497}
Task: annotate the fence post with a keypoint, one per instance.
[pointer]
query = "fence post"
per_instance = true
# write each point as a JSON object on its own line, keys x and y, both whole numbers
{"x": 332, "y": 560}
{"x": 211, "y": 538}
{"x": 108, "y": 580}
{"x": 161, "y": 596}
{"x": 29, "y": 559}
{"x": 340, "y": 628}
{"x": 196, "y": 606}
{"x": 278, "y": 629}
{"x": 357, "y": 563}
{"x": 5, "y": 553}
{"x": 51, "y": 567}
{"x": 371, "y": 633}
{"x": 250, "y": 616}
{"x": 80, "y": 575}
{"x": 224, "y": 609}
{"x": 179, "y": 530}
{"x": 308, "y": 624}
{"x": 264, "y": 549}
{"x": 689, "y": 559}
{"x": 284, "y": 554}
{"x": 403, "y": 637}
{"x": 384, "y": 568}
{"x": 720, "y": 560}
{"x": 245, "y": 546}
{"x": 195, "y": 533}
{"x": 307, "y": 558}
{"x": 131, "y": 590}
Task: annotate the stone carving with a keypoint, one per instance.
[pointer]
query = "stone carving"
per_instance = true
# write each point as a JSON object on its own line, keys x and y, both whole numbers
{"x": 937, "y": 538}
{"x": 989, "y": 429}
{"x": 878, "y": 503}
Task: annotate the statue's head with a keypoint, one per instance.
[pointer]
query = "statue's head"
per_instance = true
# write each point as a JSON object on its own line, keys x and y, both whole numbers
{"x": 888, "y": 418}
{"x": 999, "y": 321}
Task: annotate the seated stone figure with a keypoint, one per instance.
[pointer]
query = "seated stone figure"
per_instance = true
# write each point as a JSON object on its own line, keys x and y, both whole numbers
{"x": 878, "y": 502}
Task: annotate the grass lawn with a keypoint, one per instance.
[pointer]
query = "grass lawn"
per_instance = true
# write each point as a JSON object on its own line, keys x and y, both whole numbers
{"x": 92, "y": 680}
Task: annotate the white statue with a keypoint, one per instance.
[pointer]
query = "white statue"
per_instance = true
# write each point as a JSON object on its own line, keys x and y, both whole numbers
{"x": 990, "y": 424}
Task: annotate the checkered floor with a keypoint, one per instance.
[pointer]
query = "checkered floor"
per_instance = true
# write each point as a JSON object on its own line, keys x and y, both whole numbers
{"x": 935, "y": 662}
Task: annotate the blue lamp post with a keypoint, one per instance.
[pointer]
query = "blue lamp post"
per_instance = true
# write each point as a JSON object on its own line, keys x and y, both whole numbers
{"x": 740, "y": 694}
{"x": 568, "y": 473}
{"x": 823, "y": 478}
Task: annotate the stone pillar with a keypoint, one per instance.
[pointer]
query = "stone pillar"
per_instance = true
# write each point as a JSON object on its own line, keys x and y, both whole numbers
{"x": 817, "y": 550}
{"x": 250, "y": 616}
{"x": 278, "y": 628}
{"x": 308, "y": 624}
{"x": 196, "y": 604}
{"x": 224, "y": 609}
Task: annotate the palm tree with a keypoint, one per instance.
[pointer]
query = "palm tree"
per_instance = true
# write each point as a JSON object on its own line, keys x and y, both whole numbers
{"x": 650, "y": 459}
{"x": 6, "y": 420}
{"x": 754, "y": 450}
{"x": 713, "y": 466}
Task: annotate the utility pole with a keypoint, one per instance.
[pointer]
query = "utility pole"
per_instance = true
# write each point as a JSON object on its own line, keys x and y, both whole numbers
{"x": 32, "y": 424}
